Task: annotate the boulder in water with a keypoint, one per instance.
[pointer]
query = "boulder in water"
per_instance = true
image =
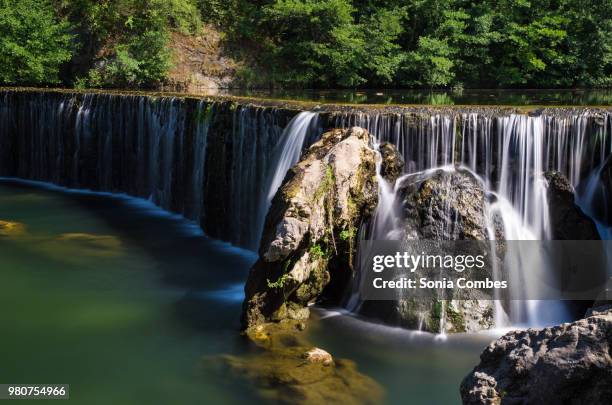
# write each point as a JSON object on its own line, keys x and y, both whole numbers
{"x": 309, "y": 236}
{"x": 447, "y": 205}
{"x": 567, "y": 220}
{"x": 569, "y": 363}
{"x": 442, "y": 205}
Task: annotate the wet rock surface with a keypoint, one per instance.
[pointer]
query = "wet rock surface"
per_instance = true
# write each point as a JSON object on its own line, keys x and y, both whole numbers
{"x": 309, "y": 237}
{"x": 565, "y": 364}
{"x": 442, "y": 205}
{"x": 285, "y": 368}
{"x": 447, "y": 205}
{"x": 392, "y": 164}
{"x": 567, "y": 220}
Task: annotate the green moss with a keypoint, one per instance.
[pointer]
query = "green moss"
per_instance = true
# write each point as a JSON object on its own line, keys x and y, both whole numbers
{"x": 456, "y": 318}
{"x": 280, "y": 283}
{"x": 437, "y": 309}
{"x": 435, "y": 315}
{"x": 203, "y": 115}
{"x": 347, "y": 234}
{"x": 316, "y": 251}
{"x": 326, "y": 184}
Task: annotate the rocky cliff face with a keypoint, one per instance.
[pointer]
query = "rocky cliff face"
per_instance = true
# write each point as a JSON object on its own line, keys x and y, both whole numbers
{"x": 309, "y": 237}
{"x": 569, "y": 363}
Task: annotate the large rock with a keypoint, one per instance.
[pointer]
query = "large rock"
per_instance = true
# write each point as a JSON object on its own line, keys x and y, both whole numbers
{"x": 447, "y": 205}
{"x": 567, "y": 220}
{"x": 565, "y": 364}
{"x": 309, "y": 237}
{"x": 443, "y": 205}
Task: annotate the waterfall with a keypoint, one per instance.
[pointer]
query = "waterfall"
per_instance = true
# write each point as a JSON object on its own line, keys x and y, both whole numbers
{"x": 203, "y": 120}
{"x": 509, "y": 153}
{"x": 284, "y": 156}
{"x": 219, "y": 163}
{"x": 199, "y": 158}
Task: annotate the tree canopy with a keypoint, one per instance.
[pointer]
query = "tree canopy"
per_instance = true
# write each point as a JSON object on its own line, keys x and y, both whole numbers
{"x": 315, "y": 43}
{"x": 34, "y": 43}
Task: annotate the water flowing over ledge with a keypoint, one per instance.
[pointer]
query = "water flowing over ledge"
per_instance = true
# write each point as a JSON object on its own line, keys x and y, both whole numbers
{"x": 218, "y": 161}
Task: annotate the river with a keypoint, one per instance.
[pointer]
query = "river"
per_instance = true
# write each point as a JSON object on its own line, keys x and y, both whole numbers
{"x": 130, "y": 304}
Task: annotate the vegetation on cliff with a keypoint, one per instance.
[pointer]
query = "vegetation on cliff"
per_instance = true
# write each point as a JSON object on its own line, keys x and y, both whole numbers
{"x": 313, "y": 43}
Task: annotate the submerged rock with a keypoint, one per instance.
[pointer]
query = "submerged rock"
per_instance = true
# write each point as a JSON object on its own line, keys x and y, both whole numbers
{"x": 442, "y": 205}
{"x": 567, "y": 220}
{"x": 286, "y": 369}
{"x": 11, "y": 229}
{"x": 309, "y": 237}
{"x": 87, "y": 244}
{"x": 569, "y": 363}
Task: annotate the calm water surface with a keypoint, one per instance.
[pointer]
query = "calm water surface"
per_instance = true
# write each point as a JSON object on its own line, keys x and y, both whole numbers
{"x": 130, "y": 305}
{"x": 435, "y": 97}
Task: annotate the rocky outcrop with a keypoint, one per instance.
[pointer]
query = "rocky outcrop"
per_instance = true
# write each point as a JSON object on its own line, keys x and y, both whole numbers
{"x": 567, "y": 220}
{"x": 447, "y": 205}
{"x": 287, "y": 369}
{"x": 606, "y": 184}
{"x": 309, "y": 237}
{"x": 443, "y": 205}
{"x": 565, "y": 364}
{"x": 392, "y": 164}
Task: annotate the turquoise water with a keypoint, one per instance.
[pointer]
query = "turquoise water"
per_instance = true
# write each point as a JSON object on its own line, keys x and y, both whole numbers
{"x": 130, "y": 305}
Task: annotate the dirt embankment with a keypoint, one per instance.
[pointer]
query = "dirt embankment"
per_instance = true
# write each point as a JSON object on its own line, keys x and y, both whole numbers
{"x": 200, "y": 62}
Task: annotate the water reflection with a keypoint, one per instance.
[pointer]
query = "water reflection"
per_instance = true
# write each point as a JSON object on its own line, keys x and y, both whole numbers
{"x": 438, "y": 97}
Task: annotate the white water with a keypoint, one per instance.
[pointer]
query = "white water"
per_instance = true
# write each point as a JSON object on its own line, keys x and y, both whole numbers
{"x": 139, "y": 145}
{"x": 285, "y": 155}
{"x": 509, "y": 154}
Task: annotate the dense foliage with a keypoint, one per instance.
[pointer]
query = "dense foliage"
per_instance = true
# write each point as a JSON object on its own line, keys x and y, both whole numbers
{"x": 315, "y": 43}
{"x": 429, "y": 43}
{"x": 33, "y": 42}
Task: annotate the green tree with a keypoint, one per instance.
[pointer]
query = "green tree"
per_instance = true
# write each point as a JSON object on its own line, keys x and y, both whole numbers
{"x": 33, "y": 42}
{"x": 383, "y": 54}
{"x": 313, "y": 42}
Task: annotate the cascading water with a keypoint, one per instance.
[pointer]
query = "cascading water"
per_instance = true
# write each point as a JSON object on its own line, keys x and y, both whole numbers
{"x": 285, "y": 155}
{"x": 199, "y": 158}
{"x": 509, "y": 153}
{"x": 218, "y": 163}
